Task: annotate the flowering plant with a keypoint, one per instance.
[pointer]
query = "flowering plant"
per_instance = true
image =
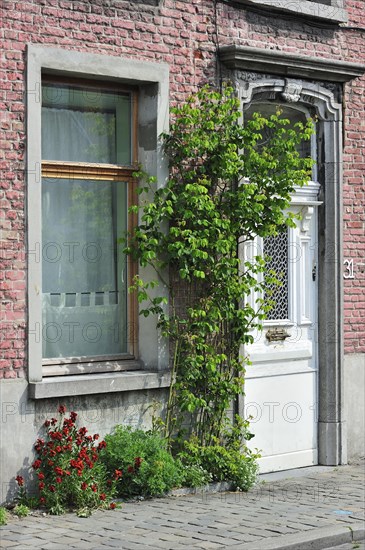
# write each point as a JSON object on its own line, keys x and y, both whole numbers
{"x": 68, "y": 468}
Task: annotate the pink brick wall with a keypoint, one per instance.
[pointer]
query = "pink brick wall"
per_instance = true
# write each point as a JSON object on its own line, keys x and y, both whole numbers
{"x": 182, "y": 34}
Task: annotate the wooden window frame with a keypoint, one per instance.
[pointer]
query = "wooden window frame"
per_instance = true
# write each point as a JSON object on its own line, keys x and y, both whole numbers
{"x": 102, "y": 172}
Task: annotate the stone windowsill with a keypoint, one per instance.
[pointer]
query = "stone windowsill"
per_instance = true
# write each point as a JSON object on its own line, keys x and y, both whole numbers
{"x": 61, "y": 386}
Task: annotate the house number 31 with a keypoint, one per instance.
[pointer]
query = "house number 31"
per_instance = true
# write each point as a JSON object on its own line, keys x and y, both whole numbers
{"x": 349, "y": 267}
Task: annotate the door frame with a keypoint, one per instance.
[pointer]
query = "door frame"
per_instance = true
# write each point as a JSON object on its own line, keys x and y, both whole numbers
{"x": 327, "y": 107}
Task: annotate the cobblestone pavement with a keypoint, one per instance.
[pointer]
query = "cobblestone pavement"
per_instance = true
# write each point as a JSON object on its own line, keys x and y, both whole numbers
{"x": 350, "y": 546}
{"x": 314, "y": 508}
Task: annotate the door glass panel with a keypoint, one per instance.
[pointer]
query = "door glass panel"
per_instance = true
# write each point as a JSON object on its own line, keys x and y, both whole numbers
{"x": 276, "y": 248}
{"x": 294, "y": 115}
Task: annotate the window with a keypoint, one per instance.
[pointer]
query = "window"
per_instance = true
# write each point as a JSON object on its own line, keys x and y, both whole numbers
{"x": 88, "y": 151}
{"x": 330, "y": 10}
{"x": 81, "y": 319}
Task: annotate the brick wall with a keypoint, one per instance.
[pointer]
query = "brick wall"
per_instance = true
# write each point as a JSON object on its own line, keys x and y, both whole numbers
{"x": 184, "y": 34}
{"x": 354, "y": 185}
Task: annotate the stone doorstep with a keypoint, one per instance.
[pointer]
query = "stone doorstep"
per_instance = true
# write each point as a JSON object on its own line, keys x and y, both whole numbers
{"x": 315, "y": 539}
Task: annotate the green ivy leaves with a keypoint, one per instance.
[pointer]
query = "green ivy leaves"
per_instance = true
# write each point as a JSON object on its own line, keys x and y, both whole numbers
{"x": 228, "y": 183}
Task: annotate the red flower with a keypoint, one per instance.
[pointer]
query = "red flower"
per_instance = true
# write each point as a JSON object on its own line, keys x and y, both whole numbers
{"x": 101, "y": 445}
{"x": 65, "y": 431}
{"x": 40, "y": 476}
{"x": 94, "y": 488}
{"x": 62, "y": 409}
{"x": 47, "y": 423}
{"x": 19, "y": 480}
{"x": 67, "y": 472}
{"x": 41, "y": 485}
{"x": 112, "y": 505}
{"x": 118, "y": 474}
{"x": 102, "y": 496}
{"x": 53, "y": 421}
{"x": 52, "y": 488}
{"x": 138, "y": 461}
{"x": 53, "y": 453}
{"x": 58, "y": 449}
{"x": 39, "y": 445}
{"x": 96, "y": 436}
{"x": 130, "y": 469}
{"x": 73, "y": 416}
{"x": 37, "y": 464}
{"x": 58, "y": 479}
{"x": 58, "y": 471}
{"x": 83, "y": 486}
{"x": 82, "y": 431}
{"x": 42, "y": 500}
{"x": 50, "y": 463}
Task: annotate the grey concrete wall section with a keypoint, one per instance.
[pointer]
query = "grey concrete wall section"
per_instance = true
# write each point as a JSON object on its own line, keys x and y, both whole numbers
{"x": 355, "y": 404}
{"x": 22, "y": 420}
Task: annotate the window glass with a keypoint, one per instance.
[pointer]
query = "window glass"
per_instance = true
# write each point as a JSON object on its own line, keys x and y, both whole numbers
{"x": 84, "y": 215}
{"x": 84, "y": 269}
{"x": 85, "y": 125}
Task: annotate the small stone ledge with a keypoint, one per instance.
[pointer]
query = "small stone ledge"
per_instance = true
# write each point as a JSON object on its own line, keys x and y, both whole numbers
{"x": 304, "y": 8}
{"x": 217, "y": 487}
{"x": 285, "y": 64}
{"x": 61, "y": 386}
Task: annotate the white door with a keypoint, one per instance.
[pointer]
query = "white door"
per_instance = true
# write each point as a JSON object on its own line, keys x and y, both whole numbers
{"x": 281, "y": 383}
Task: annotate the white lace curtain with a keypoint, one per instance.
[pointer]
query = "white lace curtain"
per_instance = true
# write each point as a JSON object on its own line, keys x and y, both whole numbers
{"x": 84, "y": 283}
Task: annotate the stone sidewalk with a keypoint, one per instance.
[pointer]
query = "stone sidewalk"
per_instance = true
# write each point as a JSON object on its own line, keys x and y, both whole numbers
{"x": 308, "y": 509}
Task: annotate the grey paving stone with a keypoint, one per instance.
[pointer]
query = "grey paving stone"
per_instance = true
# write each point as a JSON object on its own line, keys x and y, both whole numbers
{"x": 8, "y": 543}
{"x": 272, "y": 512}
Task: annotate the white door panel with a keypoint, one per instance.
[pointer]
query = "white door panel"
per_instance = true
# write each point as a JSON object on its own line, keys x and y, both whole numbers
{"x": 281, "y": 383}
{"x": 282, "y": 412}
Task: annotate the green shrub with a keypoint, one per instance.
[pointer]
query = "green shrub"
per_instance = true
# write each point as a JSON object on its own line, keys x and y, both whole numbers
{"x": 194, "y": 475}
{"x": 21, "y": 510}
{"x": 237, "y": 466}
{"x": 3, "y": 516}
{"x": 148, "y": 467}
{"x": 227, "y": 459}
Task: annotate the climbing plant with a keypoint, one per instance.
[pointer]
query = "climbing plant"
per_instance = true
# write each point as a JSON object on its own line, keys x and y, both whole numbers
{"x": 227, "y": 183}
